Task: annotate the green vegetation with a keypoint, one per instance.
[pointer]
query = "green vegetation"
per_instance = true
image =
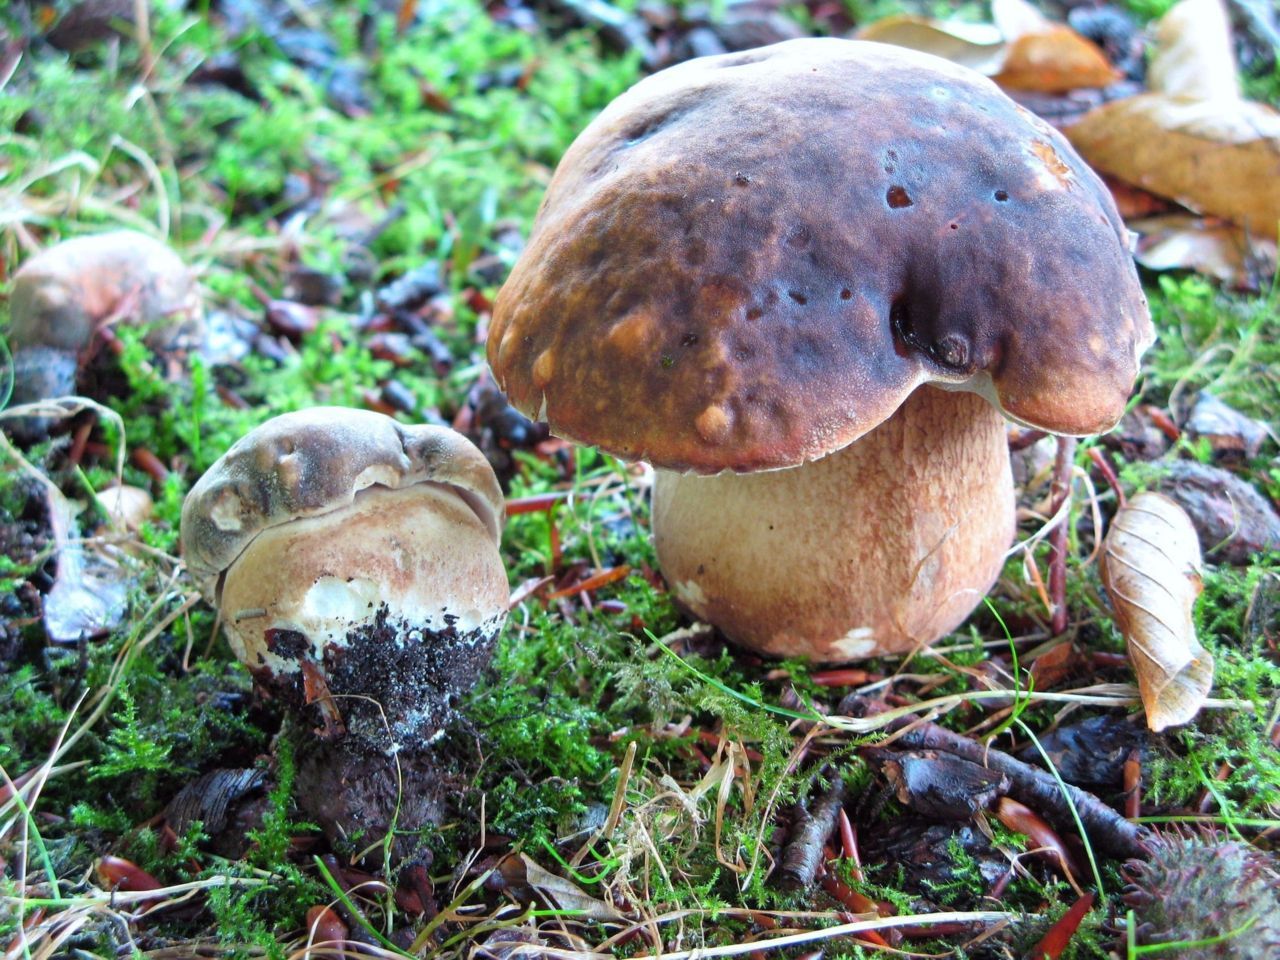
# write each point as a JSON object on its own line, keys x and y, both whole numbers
{"x": 584, "y": 719}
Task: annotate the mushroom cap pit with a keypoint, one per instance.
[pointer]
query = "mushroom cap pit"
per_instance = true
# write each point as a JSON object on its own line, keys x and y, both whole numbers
{"x": 748, "y": 261}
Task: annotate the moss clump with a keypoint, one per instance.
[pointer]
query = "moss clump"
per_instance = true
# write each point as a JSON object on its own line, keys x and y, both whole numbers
{"x": 1214, "y": 899}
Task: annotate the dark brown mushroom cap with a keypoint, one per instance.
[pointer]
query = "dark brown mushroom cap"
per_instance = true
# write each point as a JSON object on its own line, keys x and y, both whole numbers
{"x": 748, "y": 261}
{"x": 312, "y": 462}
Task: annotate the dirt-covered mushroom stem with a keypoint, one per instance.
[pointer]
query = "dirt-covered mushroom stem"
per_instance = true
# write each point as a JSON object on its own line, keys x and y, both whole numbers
{"x": 355, "y": 564}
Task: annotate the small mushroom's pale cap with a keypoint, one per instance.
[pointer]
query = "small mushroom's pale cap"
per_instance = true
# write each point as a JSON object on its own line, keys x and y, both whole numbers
{"x": 312, "y": 462}
{"x": 748, "y": 261}
{"x": 61, "y": 295}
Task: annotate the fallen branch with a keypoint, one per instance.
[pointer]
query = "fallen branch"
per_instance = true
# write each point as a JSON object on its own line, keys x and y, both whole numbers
{"x": 1037, "y": 789}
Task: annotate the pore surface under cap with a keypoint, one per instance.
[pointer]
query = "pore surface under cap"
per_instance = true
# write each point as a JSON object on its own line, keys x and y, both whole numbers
{"x": 314, "y": 461}
{"x": 748, "y": 261}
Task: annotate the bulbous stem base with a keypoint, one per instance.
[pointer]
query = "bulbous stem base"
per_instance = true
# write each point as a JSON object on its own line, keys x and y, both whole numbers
{"x": 878, "y": 548}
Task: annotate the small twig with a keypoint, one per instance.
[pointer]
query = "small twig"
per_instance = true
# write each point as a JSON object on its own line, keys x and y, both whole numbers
{"x": 594, "y": 582}
{"x": 803, "y": 853}
{"x": 1061, "y": 492}
{"x": 536, "y": 502}
{"x": 142, "y": 27}
{"x": 1108, "y": 472}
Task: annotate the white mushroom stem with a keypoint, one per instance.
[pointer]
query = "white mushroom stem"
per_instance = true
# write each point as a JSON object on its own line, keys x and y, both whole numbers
{"x": 878, "y": 548}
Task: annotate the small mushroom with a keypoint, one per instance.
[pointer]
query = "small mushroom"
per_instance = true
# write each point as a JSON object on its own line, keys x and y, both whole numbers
{"x": 355, "y": 564}
{"x": 830, "y": 266}
{"x": 65, "y": 295}
{"x": 127, "y": 508}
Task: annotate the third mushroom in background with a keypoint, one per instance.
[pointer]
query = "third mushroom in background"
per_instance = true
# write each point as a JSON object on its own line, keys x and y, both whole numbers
{"x": 823, "y": 270}
{"x": 67, "y": 296}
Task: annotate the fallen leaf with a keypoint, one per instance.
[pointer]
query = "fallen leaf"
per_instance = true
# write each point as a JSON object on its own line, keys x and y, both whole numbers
{"x": 1150, "y": 567}
{"x": 978, "y": 46}
{"x": 1228, "y": 431}
{"x": 520, "y": 871}
{"x": 1234, "y": 521}
{"x": 1061, "y": 110}
{"x": 1193, "y": 57}
{"x": 88, "y": 597}
{"x": 127, "y": 508}
{"x": 1055, "y": 60}
{"x": 1058, "y": 937}
{"x": 1018, "y": 18}
{"x": 1045, "y": 56}
{"x": 1217, "y": 157}
{"x": 117, "y": 873}
{"x": 1133, "y": 202}
{"x": 325, "y": 926}
{"x": 1048, "y": 845}
{"x": 1022, "y": 50}
{"x": 1210, "y": 246}
{"x": 511, "y": 943}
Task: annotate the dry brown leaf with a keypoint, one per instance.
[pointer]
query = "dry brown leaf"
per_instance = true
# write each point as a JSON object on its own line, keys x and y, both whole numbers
{"x": 1018, "y": 18}
{"x": 1055, "y": 60}
{"x": 524, "y": 877}
{"x": 1193, "y": 56}
{"x": 1134, "y": 203}
{"x": 978, "y": 46}
{"x": 1150, "y": 567}
{"x": 1219, "y": 157}
{"x": 1215, "y": 248}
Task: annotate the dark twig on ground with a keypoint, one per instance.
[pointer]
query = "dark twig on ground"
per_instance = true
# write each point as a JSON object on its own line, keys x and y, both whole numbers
{"x": 1060, "y": 492}
{"x": 809, "y": 831}
{"x": 1036, "y": 788}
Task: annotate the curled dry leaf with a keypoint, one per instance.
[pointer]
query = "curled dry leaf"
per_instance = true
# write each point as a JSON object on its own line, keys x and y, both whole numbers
{"x": 1213, "y": 247}
{"x": 1045, "y": 840}
{"x": 1044, "y": 56}
{"x": 1150, "y": 567}
{"x": 1054, "y": 60}
{"x": 978, "y": 46}
{"x": 527, "y": 882}
{"x": 1193, "y": 139}
{"x": 89, "y": 596}
{"x": 1234, "y": 521}
{"x": 1228, "y": 431}
{"x": 1218, "y": 157}
{"x": 126, "y": 507}
{"x": 1018, "y": 18}
{"x": 1022, "y": 50}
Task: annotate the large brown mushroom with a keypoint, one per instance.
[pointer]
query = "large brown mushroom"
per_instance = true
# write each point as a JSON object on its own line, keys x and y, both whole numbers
{"x": 355, "y": 563}
{"x": 833, "y": 266}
